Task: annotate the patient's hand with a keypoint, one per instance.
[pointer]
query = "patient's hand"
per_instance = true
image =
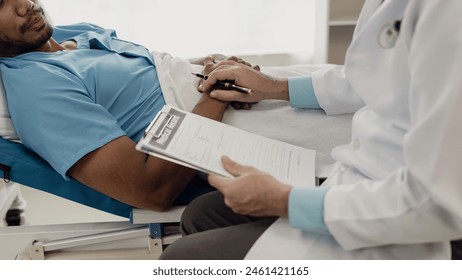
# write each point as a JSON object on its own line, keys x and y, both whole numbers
{"x": 215, "y": 59}
{"x": 206, "y": 59}
{"x": 212, "y": 62}
{"x": 242, "y": 105}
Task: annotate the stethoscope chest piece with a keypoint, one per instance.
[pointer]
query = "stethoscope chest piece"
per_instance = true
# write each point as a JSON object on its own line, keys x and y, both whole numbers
{"x": 388, "y": 34}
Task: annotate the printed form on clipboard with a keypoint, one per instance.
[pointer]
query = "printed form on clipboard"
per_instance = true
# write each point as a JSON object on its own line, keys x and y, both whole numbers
{"x": 198, "y": 142}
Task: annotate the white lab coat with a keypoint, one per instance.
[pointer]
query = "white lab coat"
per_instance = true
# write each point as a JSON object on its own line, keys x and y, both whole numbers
{"x": 396, "y": 190}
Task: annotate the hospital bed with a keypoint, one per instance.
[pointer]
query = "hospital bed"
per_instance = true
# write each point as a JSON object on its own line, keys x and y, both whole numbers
{"x": 145, "y": 233}
{"x": 10, "y": 210}
{"x": 142, "y": 235}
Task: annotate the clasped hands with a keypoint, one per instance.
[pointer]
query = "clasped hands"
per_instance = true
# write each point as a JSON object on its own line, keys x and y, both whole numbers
{"x": 218, "y": 61}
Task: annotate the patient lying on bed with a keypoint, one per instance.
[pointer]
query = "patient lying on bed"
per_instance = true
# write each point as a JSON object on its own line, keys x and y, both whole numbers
{"x": 85, "y": 102}
{"x": 82, "y": 98}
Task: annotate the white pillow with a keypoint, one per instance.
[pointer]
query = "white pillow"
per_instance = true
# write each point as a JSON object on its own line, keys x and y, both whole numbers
{"x": 7, "y": 130}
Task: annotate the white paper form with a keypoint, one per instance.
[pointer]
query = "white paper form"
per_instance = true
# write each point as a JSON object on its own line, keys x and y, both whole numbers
{"x": 198, "y": 142}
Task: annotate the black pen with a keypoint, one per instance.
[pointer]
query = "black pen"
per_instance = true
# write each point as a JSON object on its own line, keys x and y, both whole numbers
{"x": 227, "y": 85}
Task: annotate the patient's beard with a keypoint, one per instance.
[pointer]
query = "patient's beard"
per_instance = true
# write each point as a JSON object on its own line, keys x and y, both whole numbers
{"x": 10, "y": 47}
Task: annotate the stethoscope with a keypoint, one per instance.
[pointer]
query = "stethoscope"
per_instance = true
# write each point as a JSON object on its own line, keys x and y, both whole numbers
{"x": 388, "y": 35}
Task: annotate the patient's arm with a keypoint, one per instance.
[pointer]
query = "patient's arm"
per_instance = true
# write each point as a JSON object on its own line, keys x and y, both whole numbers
{"x": 147, "y": 182}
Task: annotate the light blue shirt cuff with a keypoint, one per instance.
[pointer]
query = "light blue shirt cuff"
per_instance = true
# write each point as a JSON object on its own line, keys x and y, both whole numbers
{"x": 306, "y": 209}
{"x": 301, "y": 93}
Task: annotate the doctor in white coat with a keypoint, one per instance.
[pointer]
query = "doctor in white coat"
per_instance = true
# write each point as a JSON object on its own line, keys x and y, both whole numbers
{"x": 396, "y": 189}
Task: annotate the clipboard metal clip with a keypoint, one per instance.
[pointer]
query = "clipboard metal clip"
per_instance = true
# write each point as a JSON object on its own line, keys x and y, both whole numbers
{"x": 159, "y": 124}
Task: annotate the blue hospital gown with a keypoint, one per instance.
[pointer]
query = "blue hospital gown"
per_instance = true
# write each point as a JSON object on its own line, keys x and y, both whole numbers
{"x": 67, "y": 104}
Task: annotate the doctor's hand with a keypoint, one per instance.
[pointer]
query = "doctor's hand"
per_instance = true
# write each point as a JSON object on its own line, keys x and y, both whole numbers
{"x": 251, "y": 192}
{"x": 262, "y": 86}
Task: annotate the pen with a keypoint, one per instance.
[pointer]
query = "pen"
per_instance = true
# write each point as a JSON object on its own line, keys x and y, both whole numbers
{"x": 228, "y": 85}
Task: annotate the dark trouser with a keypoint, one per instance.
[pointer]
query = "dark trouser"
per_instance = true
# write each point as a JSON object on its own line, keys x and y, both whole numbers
{"x": 212, "y": 231}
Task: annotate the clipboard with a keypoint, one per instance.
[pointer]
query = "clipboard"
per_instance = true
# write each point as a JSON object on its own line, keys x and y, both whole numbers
{"x": 199, "y": 143}
{"x": 158, "y": 124}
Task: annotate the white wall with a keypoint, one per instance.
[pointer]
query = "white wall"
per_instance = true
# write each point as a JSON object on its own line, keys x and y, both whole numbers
{"x": 284, "y": 29}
